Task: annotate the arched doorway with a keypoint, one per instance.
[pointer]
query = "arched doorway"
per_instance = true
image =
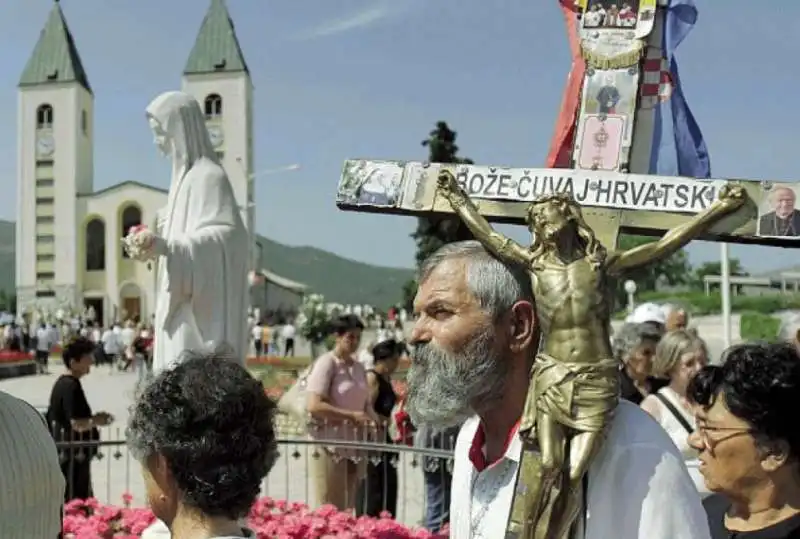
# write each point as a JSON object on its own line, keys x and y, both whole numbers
{"x": 131, "y": 216}
{"x": 130, "y": 302}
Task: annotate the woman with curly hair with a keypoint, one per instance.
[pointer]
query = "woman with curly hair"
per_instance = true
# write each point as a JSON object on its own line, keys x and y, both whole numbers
{"x": 749, "y": 442}
{"x": 205, "y": 436}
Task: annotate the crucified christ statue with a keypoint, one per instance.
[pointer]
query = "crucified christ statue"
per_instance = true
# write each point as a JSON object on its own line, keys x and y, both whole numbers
{"x": 574, "y": 382}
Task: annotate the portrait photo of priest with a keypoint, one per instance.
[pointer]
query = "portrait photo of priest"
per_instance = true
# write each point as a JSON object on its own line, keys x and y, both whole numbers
{"x": 778, "y": 216}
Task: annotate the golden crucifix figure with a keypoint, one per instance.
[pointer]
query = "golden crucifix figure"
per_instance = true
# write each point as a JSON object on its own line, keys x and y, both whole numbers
{"x": 574, "y": 382}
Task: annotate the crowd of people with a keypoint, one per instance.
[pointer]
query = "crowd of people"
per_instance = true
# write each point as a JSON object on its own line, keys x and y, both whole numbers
{"x": 472, "y": 348}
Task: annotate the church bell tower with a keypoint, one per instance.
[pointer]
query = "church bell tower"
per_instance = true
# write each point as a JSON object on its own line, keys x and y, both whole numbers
{"x": 216, "y": 74}
{"x": 55, "y": 109}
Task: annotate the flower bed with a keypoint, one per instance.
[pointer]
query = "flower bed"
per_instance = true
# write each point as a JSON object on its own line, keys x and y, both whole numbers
{"x": 12, "y": 356}
{"x": 268, "y": 518}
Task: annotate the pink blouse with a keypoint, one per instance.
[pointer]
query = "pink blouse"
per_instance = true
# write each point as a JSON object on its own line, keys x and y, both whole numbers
{"x": 342, "y": 384}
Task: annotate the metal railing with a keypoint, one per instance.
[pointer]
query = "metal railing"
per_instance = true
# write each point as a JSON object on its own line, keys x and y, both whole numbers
{"x": 396, "y": 474}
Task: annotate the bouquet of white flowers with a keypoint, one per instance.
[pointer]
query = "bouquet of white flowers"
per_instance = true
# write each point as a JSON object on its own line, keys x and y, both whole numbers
{"x": 139, "y": 243}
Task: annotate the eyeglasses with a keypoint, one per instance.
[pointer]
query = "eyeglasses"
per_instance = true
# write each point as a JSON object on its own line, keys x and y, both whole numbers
{"x": 711, "y": 442}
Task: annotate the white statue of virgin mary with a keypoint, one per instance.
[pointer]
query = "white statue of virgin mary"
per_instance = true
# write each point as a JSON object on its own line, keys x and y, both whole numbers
{"x": 201, "y": 245}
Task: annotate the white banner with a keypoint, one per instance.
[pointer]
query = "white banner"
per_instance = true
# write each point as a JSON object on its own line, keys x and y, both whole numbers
{"x": 589, "y": 188}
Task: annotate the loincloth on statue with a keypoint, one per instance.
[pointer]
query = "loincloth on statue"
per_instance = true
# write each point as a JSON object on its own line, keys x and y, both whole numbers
{"x": 581, "y": 396}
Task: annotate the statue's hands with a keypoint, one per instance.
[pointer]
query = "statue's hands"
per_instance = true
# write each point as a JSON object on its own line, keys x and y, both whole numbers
{"x": 732, "y": 196}
{"x": 447, "y": 183}
{"x": 142, "y": 244}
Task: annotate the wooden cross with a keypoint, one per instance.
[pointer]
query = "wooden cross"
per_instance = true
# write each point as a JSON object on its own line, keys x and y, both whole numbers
{"x": 612, "y": 202}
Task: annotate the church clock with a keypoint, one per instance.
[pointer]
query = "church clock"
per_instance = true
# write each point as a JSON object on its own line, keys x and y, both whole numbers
{"x": 216, "y": 135}
{"x": 45, "y": 145}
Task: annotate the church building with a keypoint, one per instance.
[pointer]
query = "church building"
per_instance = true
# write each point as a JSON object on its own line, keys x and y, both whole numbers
{"x": 69, "y": 253}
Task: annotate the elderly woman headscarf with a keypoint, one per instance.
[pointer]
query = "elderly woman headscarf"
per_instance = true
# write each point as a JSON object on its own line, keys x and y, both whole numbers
{"x": 204, "y": 434}
{"x": 633, "y": 346}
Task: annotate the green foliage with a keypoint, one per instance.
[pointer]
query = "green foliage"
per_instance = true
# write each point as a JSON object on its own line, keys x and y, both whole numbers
{"x": 313, "y": 320}
{"x": 673, "y": 271}
{"x": 715, "y": 268}
{"x": 8, "y": 301}
{"x": 755, "y": 326}
{"x": 409, "y": 292}
{"x": 433, "y": 232}
{"x": 699, "y": 304}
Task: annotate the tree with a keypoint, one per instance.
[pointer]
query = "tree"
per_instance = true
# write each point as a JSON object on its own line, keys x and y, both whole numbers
{"x": 8, "y": 302}
{"x": 674, "y": 270}
{"x": 715, "y": 268}
{"x": 433, "y": 232}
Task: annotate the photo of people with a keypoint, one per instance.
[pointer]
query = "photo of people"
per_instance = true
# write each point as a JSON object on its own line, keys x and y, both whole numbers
{"x": 370, "y": 184}
{"x": 778, "y": 216}
{"x": 611, "y": 14}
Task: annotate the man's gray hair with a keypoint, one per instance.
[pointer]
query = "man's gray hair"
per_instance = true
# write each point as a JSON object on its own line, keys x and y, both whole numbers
{"x": 630, "y": 335}
{"x": 496, "y": 284}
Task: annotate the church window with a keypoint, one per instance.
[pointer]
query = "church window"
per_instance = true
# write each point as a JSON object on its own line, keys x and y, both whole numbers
{"x": 213, "y": 107}
{"x": 84, "y": 123}
{"x": 131, "y": 216}
{"x": 45, "y": 293}
{"x": 44, "y": 117}
{"x": 95, "y": 245}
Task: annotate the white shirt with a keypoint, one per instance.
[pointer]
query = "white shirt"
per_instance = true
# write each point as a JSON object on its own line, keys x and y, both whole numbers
{"x": 638, "y": 487}
{"x": 127, "y": 336}
{"x": 288, "y": 331}
{"x": 32, "y": 484}
{"x": 679, "y": 435}
{"x": 256, "y": 332}
{"x": 44, "y": 340}
{"x": 110, "y": 342}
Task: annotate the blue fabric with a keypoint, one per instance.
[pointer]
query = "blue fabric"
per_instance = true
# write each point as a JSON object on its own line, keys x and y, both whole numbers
{"x": 437, "y": 499}
{"x": 678, "y": 145}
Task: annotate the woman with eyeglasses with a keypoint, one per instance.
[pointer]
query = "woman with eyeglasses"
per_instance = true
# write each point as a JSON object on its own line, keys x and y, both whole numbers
{"x": 748, "y": 439}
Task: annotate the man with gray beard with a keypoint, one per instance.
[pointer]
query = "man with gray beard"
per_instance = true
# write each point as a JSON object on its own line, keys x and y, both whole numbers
{"x": 475, "y": 340}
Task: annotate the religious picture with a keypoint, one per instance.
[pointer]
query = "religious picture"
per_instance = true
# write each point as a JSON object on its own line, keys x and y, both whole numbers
{"x": 611, "y": 14}
{"x": 367, "y": 183}
{"x": 777, "y": 213}
{"x": 611, "y": 92}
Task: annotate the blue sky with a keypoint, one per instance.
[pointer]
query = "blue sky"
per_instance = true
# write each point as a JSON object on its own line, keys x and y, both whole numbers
{"x": 369, "y": 78}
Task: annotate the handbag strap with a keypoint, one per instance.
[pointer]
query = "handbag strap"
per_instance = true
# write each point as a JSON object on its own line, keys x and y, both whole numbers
{"x": 674, "y": 411}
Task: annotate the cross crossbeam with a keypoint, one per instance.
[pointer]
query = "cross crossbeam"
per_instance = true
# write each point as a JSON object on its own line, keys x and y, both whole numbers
{"x": 612, "y": 202}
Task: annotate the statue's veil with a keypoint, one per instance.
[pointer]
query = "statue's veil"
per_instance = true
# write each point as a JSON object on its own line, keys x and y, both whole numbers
{"x": 180, "y": 116}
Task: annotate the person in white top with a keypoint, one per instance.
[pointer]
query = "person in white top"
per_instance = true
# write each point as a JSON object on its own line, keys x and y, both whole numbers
{"x": 474, "y": 344}
{"x": 44, "y": 343}
{"x": 31, "y": 485}
{"x": 257, "y": 332}
{"x": 288, "y": 333}
{"x": 679, "y": 356}
{"x": 111, "y": 346}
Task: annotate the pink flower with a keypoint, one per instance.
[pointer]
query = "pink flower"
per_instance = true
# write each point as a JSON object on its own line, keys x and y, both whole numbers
{"x": 268, "y": 518}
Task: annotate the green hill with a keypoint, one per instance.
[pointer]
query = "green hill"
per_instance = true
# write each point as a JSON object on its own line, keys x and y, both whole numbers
{"x": 339, "y": 279}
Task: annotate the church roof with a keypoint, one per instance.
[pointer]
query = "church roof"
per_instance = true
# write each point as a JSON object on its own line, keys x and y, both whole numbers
{"x": 55, "y": 57}
{"x": 216, "y": 49}
{"x": 130, "y": 184}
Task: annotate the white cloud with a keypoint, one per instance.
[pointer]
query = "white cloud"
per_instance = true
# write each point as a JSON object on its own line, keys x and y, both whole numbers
{"x": 374, "y": 14}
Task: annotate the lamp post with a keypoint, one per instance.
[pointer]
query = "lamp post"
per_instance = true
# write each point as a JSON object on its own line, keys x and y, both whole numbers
{"x": 630, "y": 289}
